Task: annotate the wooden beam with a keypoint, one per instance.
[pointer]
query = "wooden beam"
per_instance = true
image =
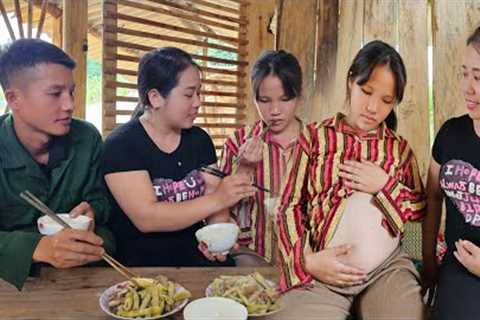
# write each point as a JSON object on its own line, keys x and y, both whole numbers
{"x": 75, "y": 19}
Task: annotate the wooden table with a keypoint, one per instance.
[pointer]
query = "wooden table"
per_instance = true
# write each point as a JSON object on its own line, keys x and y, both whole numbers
{"x": 73, "y": 294}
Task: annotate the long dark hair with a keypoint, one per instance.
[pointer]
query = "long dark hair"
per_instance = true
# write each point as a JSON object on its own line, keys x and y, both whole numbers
{"x": 281, "y": 64}
{"x": 160, "y": 69}
{"x": 474, "y": 39}
{"x": 373, "y": 54}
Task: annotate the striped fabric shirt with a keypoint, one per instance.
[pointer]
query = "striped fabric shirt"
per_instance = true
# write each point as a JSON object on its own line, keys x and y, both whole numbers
{"x": 312, "y": 204}
{"x": 254, "y": 215}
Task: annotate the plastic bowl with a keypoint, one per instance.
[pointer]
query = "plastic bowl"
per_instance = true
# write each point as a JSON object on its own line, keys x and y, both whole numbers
{"x": 215, "y": 308}
{"x": 219, "y": 237}
{"x": 47, "y": 226}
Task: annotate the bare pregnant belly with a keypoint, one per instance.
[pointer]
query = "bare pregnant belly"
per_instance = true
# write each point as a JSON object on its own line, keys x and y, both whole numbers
{"x": 361, "y": 227}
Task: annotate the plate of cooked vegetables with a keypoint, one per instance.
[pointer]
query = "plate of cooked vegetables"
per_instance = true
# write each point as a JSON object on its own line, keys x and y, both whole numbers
{"x": 144, "y": 298}
{"x": 259, "y": 295}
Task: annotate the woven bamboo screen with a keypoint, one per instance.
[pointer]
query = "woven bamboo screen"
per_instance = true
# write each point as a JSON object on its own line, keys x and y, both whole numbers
{"x": 213, "y": 32}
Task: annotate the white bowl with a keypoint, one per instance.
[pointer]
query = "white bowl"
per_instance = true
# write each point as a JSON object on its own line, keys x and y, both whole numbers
{"x": 104, "y": 297}
{"x": 219, "y": 237}
{"x": 47, "y": 226}
{"x": 215, "y": 308}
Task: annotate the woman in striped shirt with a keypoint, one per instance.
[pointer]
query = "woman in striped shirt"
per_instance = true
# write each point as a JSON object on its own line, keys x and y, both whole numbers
{"x": 265, "y": 150}
{"x": 340, "y": 224}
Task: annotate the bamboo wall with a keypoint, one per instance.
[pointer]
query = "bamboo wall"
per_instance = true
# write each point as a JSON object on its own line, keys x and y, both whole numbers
{"x": 133, "y": 27}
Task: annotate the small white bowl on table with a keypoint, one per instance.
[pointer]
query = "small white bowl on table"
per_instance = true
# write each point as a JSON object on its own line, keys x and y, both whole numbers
{"x": 215, "y": 308}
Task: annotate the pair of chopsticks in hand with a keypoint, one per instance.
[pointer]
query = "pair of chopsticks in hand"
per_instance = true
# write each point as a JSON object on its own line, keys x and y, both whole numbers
{"x": 221, "y": 174}
{"x": 261, "y": 136}
{"x": 38, "y": 204}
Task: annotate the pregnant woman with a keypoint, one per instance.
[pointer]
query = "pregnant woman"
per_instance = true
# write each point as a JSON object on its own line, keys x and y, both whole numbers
{"x": 341, "y": 224}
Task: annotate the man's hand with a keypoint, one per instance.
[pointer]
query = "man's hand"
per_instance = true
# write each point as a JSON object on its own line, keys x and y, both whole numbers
{"x": 69, "y": 248}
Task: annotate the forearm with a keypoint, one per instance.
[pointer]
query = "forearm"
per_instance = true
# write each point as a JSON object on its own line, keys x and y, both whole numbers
{"x": 172, "y": 216}
{"x": 430, "y": 227}
{"x": 220, "y": 217}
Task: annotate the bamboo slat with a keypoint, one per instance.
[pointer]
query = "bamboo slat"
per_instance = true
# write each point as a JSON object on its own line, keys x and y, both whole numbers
{"x": 223, "y": 105}
{"x": 41, "y": 22}
{"x": 222, "y": 94}
{"x": 157, "y": 36}
{"x": 126, "y": 17}
{"x": 200, "y": 12}
{"x": 117, "y": 84}
{"x": 122, "y": 57}
{"x": 135, "y": 46}
{"x": 18, "y": 13}
{"x": 30, "y": 18}
{"x": 219, "y": 125}
{"x": 200, "y": 115}
{"x": 150, "y": 8}
{"x": 219, "y": 136}
{"x": 215, "y": 6}
{"x": 7, "y": 21}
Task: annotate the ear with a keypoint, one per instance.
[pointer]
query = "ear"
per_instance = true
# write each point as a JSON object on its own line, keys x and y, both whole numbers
{"x": 12, "y": 96}
{"x": 156, "y": 99}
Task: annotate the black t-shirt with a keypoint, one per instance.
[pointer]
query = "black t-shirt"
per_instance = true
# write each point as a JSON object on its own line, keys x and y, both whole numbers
{"x": 457, "y": 150}
{"x": 174, "y": 177}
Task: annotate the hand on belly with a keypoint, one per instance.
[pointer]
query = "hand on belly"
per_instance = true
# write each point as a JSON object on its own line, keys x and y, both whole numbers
{"x": 360, "y": 227}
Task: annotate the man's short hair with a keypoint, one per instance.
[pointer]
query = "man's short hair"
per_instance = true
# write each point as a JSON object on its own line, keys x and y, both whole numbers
{"x": 27, "y": 53}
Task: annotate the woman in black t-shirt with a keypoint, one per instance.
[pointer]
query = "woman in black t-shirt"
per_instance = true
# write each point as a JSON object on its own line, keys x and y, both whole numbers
{"x": 150, "y": 165}
{"x": 454, "y": 177}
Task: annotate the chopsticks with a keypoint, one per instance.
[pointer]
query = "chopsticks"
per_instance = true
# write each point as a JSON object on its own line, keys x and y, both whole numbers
{"x": 262, "y": 136}
{"x": 38, "y": 204}
{"x": 221, "y": 174}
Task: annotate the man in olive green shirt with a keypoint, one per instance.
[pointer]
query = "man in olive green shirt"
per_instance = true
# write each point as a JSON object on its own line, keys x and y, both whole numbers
{"x": 45, "y": 151}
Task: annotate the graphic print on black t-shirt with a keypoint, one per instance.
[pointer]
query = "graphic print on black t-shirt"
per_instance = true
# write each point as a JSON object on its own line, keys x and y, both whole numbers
{"x": 190, "y": 187}
{"x": 461, "y": 183}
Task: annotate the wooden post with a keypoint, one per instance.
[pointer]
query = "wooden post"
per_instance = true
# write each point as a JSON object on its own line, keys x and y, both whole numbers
{"x": 109, "y": 65}
{"x": 75, "y": 14}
